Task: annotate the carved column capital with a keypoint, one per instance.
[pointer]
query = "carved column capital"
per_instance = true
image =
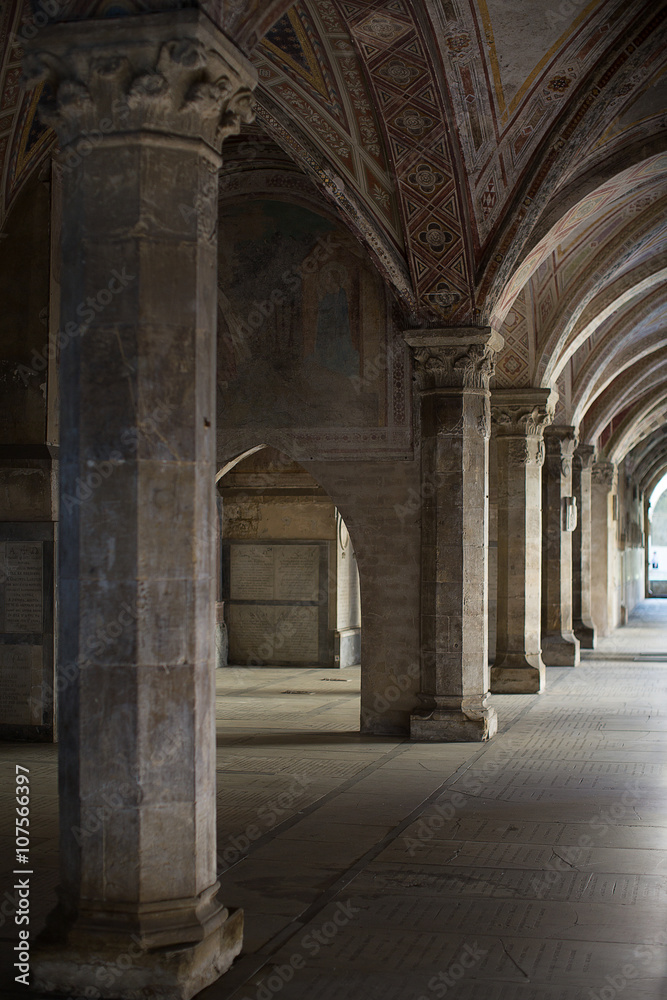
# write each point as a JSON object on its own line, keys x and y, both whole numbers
{"x": 560, "y": 443}
{"x": 172, "y": 73}
{"x": 521, "y": 412}
{"x": 584, "y": 456}
{"x": 455, "y": 358}
{"x": 604, "y": 474}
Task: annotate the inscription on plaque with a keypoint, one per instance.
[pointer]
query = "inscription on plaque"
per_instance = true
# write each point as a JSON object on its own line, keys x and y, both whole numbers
{"x": 274, "y": 572}
{"x": 24, "y": 600}
{"x": 251, "y": 572}
{"x": 265, "y": 633}
{"x": 297, "y": 572}
{"x": 20, "y": 685}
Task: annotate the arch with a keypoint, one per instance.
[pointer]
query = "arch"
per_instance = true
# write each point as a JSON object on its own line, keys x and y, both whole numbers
{"x": 637, "y": 424}
{"x": 593, "y": 177}
{"x": 638, "y": 333}
{"x": 229, "y": 465}
{"x": 594, "y": 298}
{"x": 276, "y": 509}
{"x": 647, "y": 373}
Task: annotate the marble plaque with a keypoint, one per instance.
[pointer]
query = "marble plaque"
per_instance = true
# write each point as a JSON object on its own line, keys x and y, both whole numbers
{"x": 20, "y": 685}
{"x": 297, "y": 572}
{"x": 266, "y": 633}
{"x": 251, "y": 572}
{"x": 24, "y": 593}
{"x": 274, "y": 572}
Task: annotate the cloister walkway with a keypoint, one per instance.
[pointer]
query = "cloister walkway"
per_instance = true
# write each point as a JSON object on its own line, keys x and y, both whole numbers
{"x": 530, "y": 868}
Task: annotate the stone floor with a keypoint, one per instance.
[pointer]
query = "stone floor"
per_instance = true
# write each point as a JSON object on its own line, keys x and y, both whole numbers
{"x": 530, "y": 868}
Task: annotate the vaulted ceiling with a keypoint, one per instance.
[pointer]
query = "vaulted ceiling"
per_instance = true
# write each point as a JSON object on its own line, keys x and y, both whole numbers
{"x": 502, "y": 163}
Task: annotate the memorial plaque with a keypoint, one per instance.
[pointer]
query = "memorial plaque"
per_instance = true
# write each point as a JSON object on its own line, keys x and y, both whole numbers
{"x": 276, "y": 612}
{"x": 297, "y": 634}
{"x": 24, "y": 592}
{"x": 251, "y": 573}
{"x": 297, "y": 572}
{"x": 269, "y": 632}
{"x": 251, "y": 632}
{"x": 20, "y": 685}
{"x": 274, "y": 572}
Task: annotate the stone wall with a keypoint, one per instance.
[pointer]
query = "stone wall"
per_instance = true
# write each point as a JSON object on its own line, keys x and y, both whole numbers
{"x": 28, "y": 472}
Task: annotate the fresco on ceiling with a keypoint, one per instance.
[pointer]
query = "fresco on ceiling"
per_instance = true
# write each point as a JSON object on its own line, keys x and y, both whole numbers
{"x": 301, "y": 314}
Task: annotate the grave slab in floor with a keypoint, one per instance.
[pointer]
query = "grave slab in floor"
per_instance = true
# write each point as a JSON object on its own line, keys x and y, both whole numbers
{"x": 533, "y": 867}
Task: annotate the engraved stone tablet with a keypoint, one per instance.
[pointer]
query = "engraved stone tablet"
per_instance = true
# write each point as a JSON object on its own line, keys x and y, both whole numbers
{"x": 274, "y": 572}
{"x": 251, "y": 573}
{"x": 24, "y": 603}
{"x": 297, "y": 570}
{"x": 265, "y": 633}
{"x": 20, "y": 685}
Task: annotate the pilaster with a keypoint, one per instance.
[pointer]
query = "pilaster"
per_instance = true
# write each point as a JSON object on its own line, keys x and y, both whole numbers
{"x": 519, "y": 418}
{"x": 452, "y": 370}
{"x": 582, "y": 624}
{"x": 560, "y": 646}
{"x": 603, "y": 484}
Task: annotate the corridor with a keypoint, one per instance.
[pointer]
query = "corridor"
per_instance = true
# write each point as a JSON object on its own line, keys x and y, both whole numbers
{"x": 530, "y": 868}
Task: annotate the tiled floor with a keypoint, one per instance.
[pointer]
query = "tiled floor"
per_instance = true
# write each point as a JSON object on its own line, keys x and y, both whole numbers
{"x": 530, "y": 868}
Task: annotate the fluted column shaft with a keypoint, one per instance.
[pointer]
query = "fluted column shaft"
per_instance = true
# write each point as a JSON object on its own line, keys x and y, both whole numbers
{"x": 582, "y": 624}
{"x": 452, "y": 371}
{"x": 519, "y": 419}
{"x": 141, "y": 106}
{"x": 560, "y": 646}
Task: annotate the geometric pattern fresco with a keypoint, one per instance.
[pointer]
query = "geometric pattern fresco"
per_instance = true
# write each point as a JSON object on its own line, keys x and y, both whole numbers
{"x": 444, "y": 130}
{"x": 394, "y": 50}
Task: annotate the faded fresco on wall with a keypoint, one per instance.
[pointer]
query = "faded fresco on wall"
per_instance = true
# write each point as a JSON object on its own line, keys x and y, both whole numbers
{"x": 302, "y": 320}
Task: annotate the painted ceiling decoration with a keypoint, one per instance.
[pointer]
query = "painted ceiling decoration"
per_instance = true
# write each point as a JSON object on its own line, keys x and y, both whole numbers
{"x": 500, "y": 162}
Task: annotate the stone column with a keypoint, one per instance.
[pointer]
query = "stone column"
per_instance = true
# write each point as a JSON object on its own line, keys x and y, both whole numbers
{"x": 560, "y": 646}
{"x": 452, "y": 371}
{"x": 582, "y": 625}
{"x": 519, "y": 418}
{"x": 603, "y": 481}
{"x": 141, "y": 106}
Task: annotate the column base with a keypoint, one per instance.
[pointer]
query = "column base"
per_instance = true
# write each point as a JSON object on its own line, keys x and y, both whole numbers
{"x": 447, "y": 725}
{"x": 516, "y": 673}
{"x": 560, "y": 650}
{"x": 134, "y": 973}
{"x": 585, "y": 633}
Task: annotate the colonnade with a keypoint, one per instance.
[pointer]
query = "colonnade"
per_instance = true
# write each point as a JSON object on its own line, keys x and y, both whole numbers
{"x": 137, "y": 723}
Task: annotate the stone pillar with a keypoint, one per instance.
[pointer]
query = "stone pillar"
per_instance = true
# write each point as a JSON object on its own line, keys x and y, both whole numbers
{"x": 519, "y": 418}
{"x": 603, "y": 479}
{"x": 582, "y": 625}
{"x": 141, "y": 106}
{"x": 560, "y": 646}
{"x": 452, "y": 371}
